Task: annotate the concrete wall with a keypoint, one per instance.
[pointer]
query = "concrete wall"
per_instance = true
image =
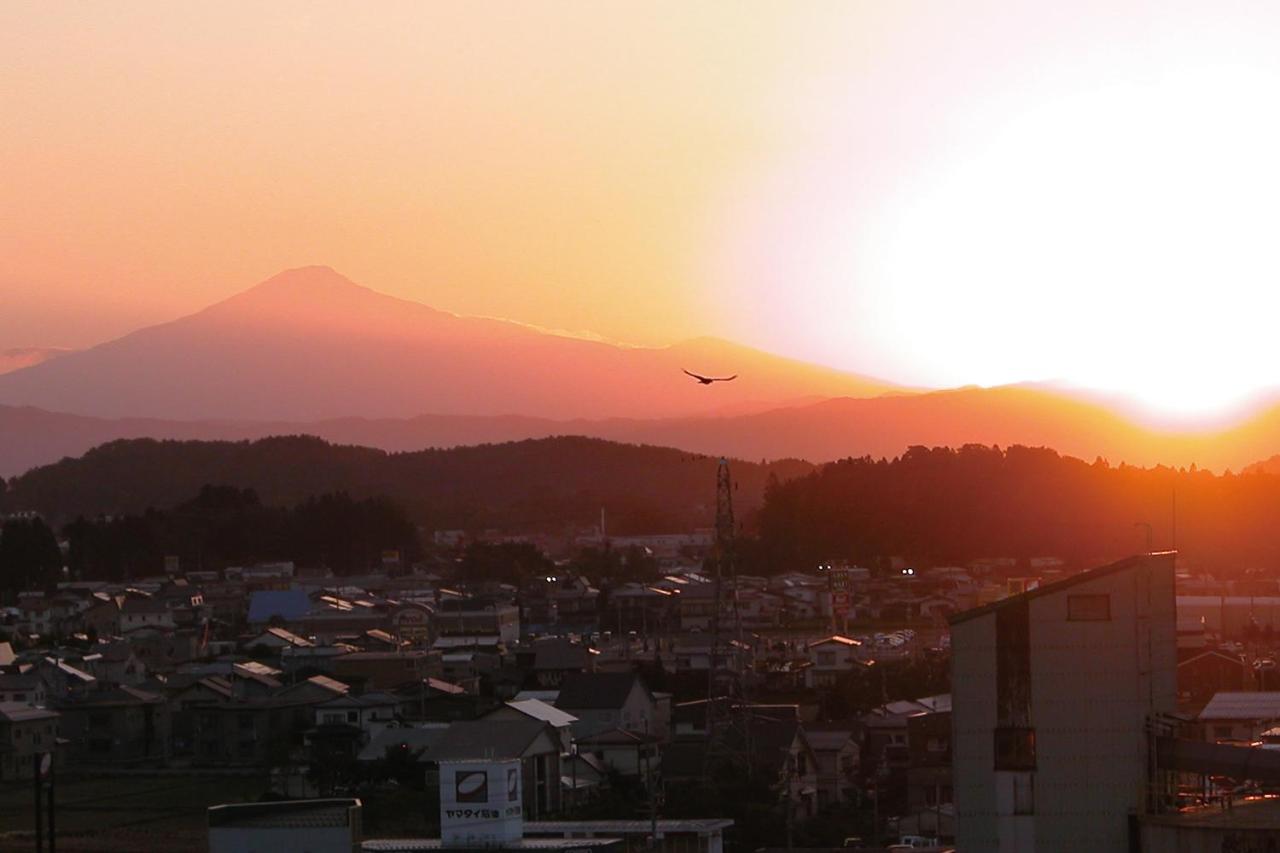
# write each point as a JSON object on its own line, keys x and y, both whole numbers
{"x": 1094, "y": 685}
{"x": 973, "y": 720}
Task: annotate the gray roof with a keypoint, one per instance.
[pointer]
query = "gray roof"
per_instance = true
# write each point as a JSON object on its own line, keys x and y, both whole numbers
{"x": 491, "y": 739}
{"x": 1242, "y": 706}
{"x": 596, "y": 690}
{"x": 540, "y": 710}
{"x": 20, "y": 712}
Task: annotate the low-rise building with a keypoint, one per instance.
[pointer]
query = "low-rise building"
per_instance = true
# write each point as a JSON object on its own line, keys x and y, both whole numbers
{"x": 831, "y": 659}
{"x": 25, "y": 731}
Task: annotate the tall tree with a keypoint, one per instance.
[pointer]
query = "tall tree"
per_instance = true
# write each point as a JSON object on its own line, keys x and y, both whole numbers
{"x": 29, "y": 555}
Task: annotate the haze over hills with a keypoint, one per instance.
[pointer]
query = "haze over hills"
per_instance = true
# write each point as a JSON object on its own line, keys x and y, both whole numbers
{"x": 310, "y": 352}
{"x": 17, "y": 358}
{"x": 309, "y": 344}
{"x": 818, "y": 432}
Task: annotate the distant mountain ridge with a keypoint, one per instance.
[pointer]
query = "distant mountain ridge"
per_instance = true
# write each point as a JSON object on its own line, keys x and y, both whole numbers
{"x": 309, "y": 344}
{"x": 818, "y": 432}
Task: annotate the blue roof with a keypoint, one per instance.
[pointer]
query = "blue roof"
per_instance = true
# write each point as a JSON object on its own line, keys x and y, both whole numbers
{"x": 288, "y": 604}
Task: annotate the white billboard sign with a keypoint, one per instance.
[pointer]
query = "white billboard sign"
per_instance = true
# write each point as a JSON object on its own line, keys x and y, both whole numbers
{"x": 480, "y": 803}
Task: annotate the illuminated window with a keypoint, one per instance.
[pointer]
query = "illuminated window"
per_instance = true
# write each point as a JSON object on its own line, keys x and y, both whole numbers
{"x": 1089, "y": 608}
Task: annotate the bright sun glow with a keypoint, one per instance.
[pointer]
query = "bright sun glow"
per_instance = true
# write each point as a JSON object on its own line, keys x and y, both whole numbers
{"x": 1122, "y": 239}
{"x": 1132, "y": 231}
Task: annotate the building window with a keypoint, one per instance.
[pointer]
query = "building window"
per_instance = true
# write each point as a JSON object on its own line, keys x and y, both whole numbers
{"x": 1015, "y": 748}
{"x": 1222, "y": 731}
{"x": 826, "y": 658}
{"x": 1089, "y": 608}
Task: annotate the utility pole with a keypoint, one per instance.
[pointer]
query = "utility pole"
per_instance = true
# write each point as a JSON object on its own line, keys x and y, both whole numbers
{"x": 1147, "y": 527}
{"x": 53, "y": 833}
{"x": 652, "y": 785}
{"x": 39, "y": 796}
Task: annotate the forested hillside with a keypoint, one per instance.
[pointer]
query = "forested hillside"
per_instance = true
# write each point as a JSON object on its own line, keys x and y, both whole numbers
{"x": 945, "y": 505}
{"x": 527, "y": 485}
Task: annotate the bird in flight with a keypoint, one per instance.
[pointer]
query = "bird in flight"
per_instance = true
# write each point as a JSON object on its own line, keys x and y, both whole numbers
{"x": 707, "y": 380}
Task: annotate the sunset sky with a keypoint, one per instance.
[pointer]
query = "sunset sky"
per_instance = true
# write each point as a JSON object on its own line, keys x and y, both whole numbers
{"x": 935, "y": 194}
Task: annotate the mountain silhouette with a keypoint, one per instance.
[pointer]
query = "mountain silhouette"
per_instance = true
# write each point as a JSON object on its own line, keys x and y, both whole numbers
{"x": 310, "y": 344}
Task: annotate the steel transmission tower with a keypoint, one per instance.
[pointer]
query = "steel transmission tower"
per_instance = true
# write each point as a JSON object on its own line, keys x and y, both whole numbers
{"x": 725, "y": 712}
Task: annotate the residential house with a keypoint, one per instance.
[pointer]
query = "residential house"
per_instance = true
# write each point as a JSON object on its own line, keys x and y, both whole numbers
{"x": 46, "y": 616}
{"x": 436, "y": 700}
{"x": 837, "y": 754}
{"x": 346, "y": 724}
{"x": 115, "y": 725}
{"x": 25, "y": 731}
{"x": 639, "y": 607}
{"x": 551, "y": 659}
{"x": 386, "y": 670}
{"x": 115, "y": 663}
{"x": 22, "y": 688}
{"x": 929, "y": 784}
{"x": 138, "y": 611}
{"x": 608, "y": 700}
{"x": 774, "y": 749}
{"x": 627, "y": 753}
{"x": 162, "y": 649}
{"x": 264, "y": 730}
{"x": 831, "y": 659}
{"x": 62, "y": 680}
{"x": 1239, "y": 716}
{"x": 1204, "y": 673}
{"x": 536, "y": 709}
{"x": 101, "y": 616}
{"x": 574, "y": 601}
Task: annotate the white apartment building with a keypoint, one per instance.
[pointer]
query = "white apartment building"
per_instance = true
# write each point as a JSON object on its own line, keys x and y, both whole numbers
{"x": 1051, "y": 693}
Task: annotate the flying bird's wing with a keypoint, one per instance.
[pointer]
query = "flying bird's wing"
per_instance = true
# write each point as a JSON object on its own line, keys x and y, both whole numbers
{"x": 728, "y": 378}
{"x": 694, "y": 375}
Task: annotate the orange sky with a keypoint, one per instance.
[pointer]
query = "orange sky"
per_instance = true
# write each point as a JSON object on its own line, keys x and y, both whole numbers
{"x": 938, "y": 195}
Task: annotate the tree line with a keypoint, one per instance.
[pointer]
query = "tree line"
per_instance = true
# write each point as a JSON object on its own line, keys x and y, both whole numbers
{"x": 227, "y": 526}
{"x": 945, "y": 506}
